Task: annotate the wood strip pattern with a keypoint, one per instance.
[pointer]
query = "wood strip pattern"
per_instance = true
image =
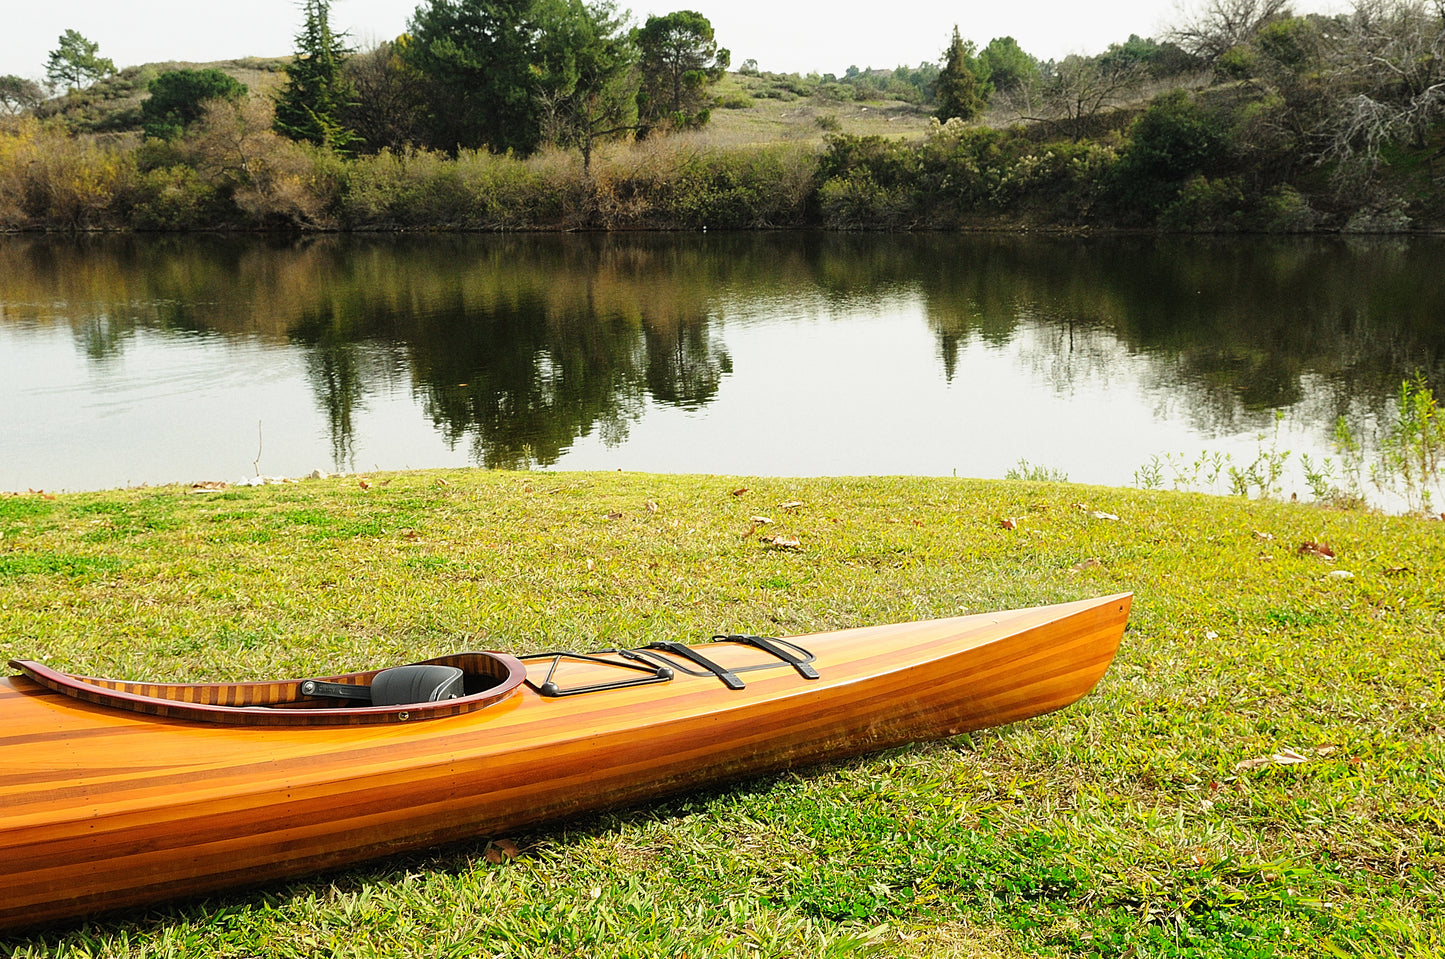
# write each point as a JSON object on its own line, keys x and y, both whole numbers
{"x": 102, "y": 808}
{"x": 490, "y": 677}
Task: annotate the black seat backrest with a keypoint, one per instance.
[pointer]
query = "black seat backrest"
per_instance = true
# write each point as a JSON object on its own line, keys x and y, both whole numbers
{"x": 421, "y": 683}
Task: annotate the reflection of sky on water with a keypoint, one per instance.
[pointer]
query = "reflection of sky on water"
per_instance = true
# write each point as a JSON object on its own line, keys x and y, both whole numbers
{"x": 866, "y": 394}
{"x": 179, "y": 409}
{"x": 814, "y": 391}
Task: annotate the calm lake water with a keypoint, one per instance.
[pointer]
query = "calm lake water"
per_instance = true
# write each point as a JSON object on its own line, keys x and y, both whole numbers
{"x": 150, "y": 360}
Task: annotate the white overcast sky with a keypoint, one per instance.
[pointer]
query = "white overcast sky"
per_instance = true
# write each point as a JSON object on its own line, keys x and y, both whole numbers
{"x": 782, "y": 36}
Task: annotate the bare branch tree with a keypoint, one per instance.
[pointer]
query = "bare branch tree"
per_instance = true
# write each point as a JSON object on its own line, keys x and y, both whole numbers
{"x": 1387, "y": 73}
{"x": 1221, "y": 25}
{"x": 1077, "y": 89}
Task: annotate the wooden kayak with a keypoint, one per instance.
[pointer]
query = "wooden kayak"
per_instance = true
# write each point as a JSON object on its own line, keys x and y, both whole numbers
{"x": 115, "y": 794}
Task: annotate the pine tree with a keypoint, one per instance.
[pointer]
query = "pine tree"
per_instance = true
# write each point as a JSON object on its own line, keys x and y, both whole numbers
{"x": 317, "y": 92}
{"x": 961, "y": 92}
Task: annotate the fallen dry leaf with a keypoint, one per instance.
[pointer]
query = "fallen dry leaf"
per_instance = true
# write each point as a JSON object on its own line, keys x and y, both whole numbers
{"x": 590, "y": 567}
{"x": 1093, "y": 562}
{"x": 1263, "y": 536}
{"x": 501, "y": 850}
{"x": 1100, "y": 514}
{"x": 1340, "y": 574}
{"x": 739, "y": 491}
{"x": 651, "y": 506}
{"x": 783, "y": 542}
{"x": 762, "y": 520}
{"x": 364, "y": 484}
{"x": 1396, "y": 570}
{"x": 614, "y": 515}
{"x": 1008, "y": 523}
{"x": 1285, "y": 757}
{"x": 791, "y": 504}
{"x": 1318, "y": 550}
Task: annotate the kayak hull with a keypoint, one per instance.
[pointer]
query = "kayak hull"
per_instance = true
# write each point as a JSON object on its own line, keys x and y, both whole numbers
{"x": 106, "y": 808}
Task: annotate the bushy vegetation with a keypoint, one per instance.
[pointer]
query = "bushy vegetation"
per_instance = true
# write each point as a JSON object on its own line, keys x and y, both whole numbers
{"x": 1247, "y": 118}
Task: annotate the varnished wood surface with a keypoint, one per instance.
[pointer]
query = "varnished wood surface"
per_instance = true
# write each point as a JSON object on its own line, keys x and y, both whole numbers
{"x": 490, "y": 677}
{"x": 103, "y": 808}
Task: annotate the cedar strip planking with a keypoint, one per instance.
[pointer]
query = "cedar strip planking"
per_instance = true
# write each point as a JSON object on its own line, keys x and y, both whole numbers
{"x": 104, "y": 808}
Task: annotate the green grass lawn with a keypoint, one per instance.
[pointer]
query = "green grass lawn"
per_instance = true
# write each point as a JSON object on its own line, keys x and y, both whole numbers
{"x": 1259, "y": 774}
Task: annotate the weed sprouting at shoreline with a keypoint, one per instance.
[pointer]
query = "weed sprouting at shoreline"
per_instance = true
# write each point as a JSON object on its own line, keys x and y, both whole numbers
{"x": 1406, "y": 466}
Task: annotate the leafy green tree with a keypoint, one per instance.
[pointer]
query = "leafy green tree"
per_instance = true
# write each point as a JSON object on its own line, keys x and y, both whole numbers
{"x": 18, "y": 94}
{"x": 680, "y": 57}
{"x": 1006, "y": 65}
{"x": 76, "y": 63}
{"x": 178, "y": 98}
{"x": 962, "y": 92}
{"x": 477, "y": 59}
{"x": 1174, "y": 139}
{"x": 1159, "y": 60}
{"x": 588, "y": 84}
{"x": 311, "y": 105}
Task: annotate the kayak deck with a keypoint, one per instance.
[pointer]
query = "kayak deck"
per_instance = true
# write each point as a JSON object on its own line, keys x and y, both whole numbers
{"x": 107, "y": 808}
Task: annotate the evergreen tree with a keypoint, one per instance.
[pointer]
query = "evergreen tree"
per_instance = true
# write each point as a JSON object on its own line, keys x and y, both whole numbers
{"x": 76, "y": 63}
{"x": 680, "y": 57}
{"x": 588, "y": 84}
{"x": 961, "y": 91}
{"x": 317, "y": 93}
{"x": 477, "y": 58}
{"x": 18, "y": 94}
{"x": 1007, "y": 66}
{"x": 178, "y": 98}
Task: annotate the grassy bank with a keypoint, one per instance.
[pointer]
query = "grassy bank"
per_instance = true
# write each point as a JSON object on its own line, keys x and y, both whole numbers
{"x": 1258, "y": 774}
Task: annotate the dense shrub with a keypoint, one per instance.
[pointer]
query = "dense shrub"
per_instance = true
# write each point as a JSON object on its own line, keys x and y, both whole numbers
{"x": 269, "y": 181}
{"x": 1206, "y": 206}
{"x": 958, "y": 176}
{"x": 51, "y": 180}
{"x": 1173, "y": 140}
{"x": 175, "y": 198}
{"x": 178, "y": 97}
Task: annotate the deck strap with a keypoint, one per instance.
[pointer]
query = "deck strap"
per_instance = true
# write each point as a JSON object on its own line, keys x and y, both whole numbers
{"x": 776, "y": 648}
{"x": 693, "y": 656}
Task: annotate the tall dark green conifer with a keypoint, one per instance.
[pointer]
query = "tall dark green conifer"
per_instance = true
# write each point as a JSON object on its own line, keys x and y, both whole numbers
{"x": 961, "y": 92}
{"x": 478, "y": 58}
{"x": 317, "y": 92}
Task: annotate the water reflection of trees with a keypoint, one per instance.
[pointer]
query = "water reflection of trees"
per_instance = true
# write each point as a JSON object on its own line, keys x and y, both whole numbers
{"x": 518, "y": 346}
{"x": 1233, "y": 329}
{"x": 518, "y": 356}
